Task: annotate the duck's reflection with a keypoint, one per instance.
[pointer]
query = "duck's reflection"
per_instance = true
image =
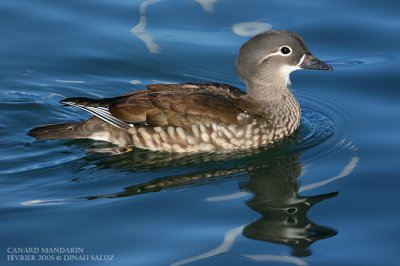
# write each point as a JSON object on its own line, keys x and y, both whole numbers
{"x": 272, "y": 180}
{"x": 283, "y": 212}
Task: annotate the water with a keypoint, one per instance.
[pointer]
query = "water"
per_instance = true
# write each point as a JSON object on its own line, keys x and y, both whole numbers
{"x": 327, "y": 196}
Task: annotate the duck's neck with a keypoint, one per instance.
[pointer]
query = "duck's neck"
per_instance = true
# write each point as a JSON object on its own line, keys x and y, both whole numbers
{"x": 268, "y": 88}
{"x": 267, "y": 92}
{"x": 276, "y": 101}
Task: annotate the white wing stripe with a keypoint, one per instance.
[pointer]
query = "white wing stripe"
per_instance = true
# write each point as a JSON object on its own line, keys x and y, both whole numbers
{"x": 103, "y": 114}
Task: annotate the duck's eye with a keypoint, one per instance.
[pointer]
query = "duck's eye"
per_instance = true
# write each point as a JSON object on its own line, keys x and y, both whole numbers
{"x": 285, "y": 50}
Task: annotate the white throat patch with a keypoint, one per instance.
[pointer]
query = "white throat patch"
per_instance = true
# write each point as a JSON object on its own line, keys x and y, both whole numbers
{"x": 286, "y": 69}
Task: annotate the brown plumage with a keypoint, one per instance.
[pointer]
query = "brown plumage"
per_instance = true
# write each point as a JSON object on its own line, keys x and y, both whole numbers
{"x": 177, "y": 104}
{"x": 194, "y": 117}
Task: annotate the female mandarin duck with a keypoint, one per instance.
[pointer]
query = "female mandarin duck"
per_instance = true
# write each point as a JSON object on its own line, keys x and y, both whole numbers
{"x": 196, "y": 117}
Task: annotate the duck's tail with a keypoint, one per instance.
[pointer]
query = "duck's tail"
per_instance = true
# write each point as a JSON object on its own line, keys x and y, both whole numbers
{"x": 60, "y": 131}
{"x": 94, "y": 128}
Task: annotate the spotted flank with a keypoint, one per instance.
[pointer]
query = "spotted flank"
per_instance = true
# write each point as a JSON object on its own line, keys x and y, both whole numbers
{"x": 198, "y": 138}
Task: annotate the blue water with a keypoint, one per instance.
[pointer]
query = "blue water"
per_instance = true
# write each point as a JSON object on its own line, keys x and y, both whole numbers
{"x": 327, "y": 196}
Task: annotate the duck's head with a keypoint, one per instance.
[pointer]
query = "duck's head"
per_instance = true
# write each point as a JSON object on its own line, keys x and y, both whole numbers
{"x": 271, "y": 56}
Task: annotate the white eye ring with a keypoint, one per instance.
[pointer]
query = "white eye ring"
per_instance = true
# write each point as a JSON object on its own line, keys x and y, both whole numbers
{"x": 285, "y": 50}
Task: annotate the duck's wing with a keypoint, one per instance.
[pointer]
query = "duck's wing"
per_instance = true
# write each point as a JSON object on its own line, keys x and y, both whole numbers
{"x": 170, "y": 105}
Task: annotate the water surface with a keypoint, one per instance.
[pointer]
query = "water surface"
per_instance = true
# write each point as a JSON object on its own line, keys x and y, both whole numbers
{"x": 327, "y": 196}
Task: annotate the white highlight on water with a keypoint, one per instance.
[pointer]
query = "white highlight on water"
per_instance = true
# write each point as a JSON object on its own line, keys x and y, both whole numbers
{"x": 135, "y": 82}
{"x": 250, "y": 28}
{"x": 70, "y": 81}
{"x": 226, "y": 245}
{"x": 229, "y": 240}
{"x": 277, "y": 258}
{"x": 345, "y": 172}
{"x": 140, "y": 29}
{"x": 232, "y": 196}
{"x": 207, "y": 5}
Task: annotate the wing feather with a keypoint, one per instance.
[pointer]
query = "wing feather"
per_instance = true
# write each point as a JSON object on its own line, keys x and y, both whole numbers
{"x": 181, "y": 105}
{"x": 102, "y": 113}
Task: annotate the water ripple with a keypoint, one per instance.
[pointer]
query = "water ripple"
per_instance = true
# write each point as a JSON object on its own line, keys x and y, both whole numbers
{"x": 361, "y": 61}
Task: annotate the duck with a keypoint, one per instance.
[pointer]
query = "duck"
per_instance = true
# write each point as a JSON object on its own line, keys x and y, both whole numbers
{"x": 202, "y": 117}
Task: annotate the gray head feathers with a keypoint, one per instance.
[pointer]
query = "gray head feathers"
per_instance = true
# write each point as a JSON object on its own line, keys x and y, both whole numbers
{"x": 268, "y": 52}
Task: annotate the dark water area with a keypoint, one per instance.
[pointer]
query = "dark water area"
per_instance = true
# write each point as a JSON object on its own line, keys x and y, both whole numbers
{"x": 326, "y": 196}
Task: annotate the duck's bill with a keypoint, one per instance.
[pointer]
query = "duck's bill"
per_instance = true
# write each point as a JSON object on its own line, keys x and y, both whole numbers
{"x": 311, "y": 62}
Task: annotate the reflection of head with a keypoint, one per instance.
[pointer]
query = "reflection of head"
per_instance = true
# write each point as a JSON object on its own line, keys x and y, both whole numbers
{"x": 284, "y": 213}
